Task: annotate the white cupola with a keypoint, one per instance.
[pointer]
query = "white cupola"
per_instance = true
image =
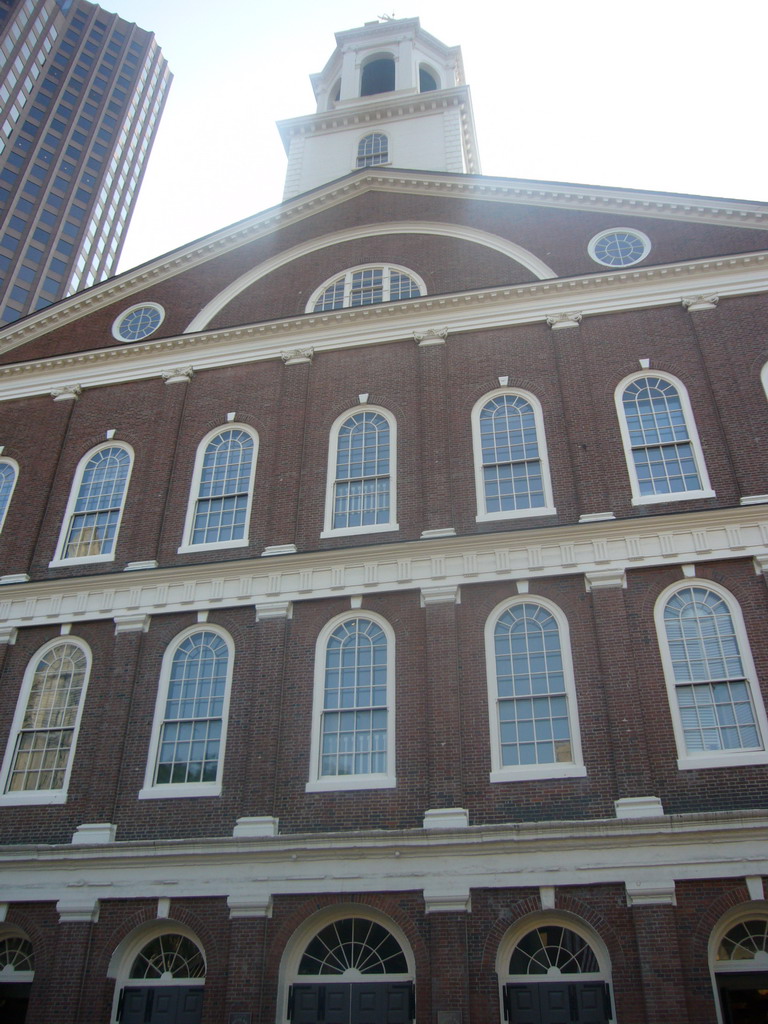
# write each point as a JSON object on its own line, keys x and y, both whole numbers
{"x": 390, "y": 95}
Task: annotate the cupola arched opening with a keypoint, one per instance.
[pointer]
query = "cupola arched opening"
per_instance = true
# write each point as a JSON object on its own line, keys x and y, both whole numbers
{"x": 378, "y": 75}
{"x": 428, "y": 80}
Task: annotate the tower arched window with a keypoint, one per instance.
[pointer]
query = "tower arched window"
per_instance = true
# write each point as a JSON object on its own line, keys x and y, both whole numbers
{"x": 427, "y": 79}
{"x": 511, "y": 467}
{"x": 353, "y": 735}
{"x": 531, "y": 693}
{"x": 717, "y": 710}
{"x": 38, "y": 759}
{"x": 661, "y": 443}
{"x": 362, "y": 483}
{"x": 189, "y": 733}
{"x": 378, "y": 76}
{"x": 373, "y": 149}
{"x": 95, "y": 507}
{"x": 9, "y": 472}
{"x": 367, "y": 286}
{"x": 222, "y": 489}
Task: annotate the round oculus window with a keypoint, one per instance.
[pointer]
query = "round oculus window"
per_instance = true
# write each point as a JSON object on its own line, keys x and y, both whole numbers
{"x": 138, "y": 322}
{"x": 619, "y": 247}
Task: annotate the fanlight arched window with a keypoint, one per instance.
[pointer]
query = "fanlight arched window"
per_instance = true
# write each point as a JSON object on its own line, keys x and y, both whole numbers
{"x": 96, "y": 505}
{"x": 169, "y": 956}
{"x": 38, "y": 760}
{"x": 716, "y": 706}
{"x": 367, "y": 286}
{"x": 16, "y": 957}
{"x": 531, "y": 693}
{"x": 190, "y": 716}
{"x": 352, "y": 969}
{"x": 553, "y": 973}
{"x": 739, "y": 961}
{"x": 361, "y": 473}
{"x": 511, "y": 468}
{"x": 378, "y": 76}
{"x": 373, "y": 149}
{"x": 356, "y": 944}
{"x": 222, "y": 490}
{"x": 352, "y": 745}
{"x": 745, "y": 942}
{"x": 663, "y": 452}
{"x": 9, "y": 471}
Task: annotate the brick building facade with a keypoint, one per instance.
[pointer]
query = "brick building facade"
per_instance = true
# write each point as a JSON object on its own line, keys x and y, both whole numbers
{"x": 383, "y": 602}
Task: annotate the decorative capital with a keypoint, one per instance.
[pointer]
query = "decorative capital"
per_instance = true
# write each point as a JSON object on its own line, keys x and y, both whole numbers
{"x": 84, "y": 908}
{"x": 436, "y": 902}
{"x": 440, "y": 595}
{"x": 605, "y": 579}
{"x": 694, "y": 303}
{"x": 178, "y": 375}
{"x": 761, "y": 566}
{"x": 8, "y": 635}
{"x": 434, "y": 336}
{"x": 297, "y": 355}
{"x": 138, "y": 623}
{"x": 651, "y": 894}
{"x": 561, "y": 321}
{"x": 273, "y": 610}
{"x": 250, "y": 906}
{"x": 66, "y": 393}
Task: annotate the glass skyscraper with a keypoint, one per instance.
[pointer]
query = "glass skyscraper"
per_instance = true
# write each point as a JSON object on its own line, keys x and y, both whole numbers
{"x": 81, "y": 95}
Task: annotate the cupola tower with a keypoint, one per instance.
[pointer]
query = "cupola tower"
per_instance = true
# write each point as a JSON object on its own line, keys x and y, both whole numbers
{"x": 391, "y": 94}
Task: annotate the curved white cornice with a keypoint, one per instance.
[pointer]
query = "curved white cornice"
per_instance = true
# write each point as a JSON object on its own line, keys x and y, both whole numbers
{"x": 459, "y": 186}
{"x": 416, "y": 227}
{"x": 537, "y": 302}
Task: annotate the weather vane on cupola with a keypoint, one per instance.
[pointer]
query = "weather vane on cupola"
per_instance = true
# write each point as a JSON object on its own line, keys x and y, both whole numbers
{"x": 387, "y": 17}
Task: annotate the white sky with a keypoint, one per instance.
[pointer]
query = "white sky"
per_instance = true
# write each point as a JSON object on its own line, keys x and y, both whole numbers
{"x": 667, "y": 95}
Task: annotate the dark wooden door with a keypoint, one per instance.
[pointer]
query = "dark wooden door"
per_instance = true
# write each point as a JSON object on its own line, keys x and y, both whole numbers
{"x": 147, "y": 1004}
{"x": 353, "y": 1003}
{"x": 584, "y": 1002}
{"x": 14, "y": 998}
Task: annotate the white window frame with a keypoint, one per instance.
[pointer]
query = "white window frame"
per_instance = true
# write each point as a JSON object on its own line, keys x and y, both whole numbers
{"x": 721, "y": 758}
{"x": 556, "y": 770}
{"x": 42, "y": 796}
{"x": 194, "y": 492}
{"x": 705, "y": 491}
{"x": 328, "y": 783}
{"x": 5, "y": 461}
{"x": 157, "y": 791}
{"x": 120, "y": 320}
{"x": 359, "y": 155}
{"x": 329, "y": 529}
{"x": 347, "y": 275}
{"x": 59, "y": 558}
{"x": 548, "y": 508}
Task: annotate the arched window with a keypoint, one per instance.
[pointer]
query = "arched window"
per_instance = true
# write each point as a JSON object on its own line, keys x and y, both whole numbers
{"x": 361, "y": 490}
{"x": 17, "y": 971}
{"x": 661, "y": 444}
{"x": 553, "y": 966}
{"x": 738, "y": 957}
{"x": 531, "y": 693}
{"x": 92, "y": 519}
{"x": 187, "y": 746}
{"x": 427, "y": 79}
{"x": 160, "y": 976}
{"x": 9, "y": 472}
{"x": 366, "y": 286}
{"x": 222, "y": 490}
{"x": 378, "y": 76}
{"x": 38, "y": 760}
{"x": 354, "y": 967}
{"x": 353, "y": 734}
{"x": 717, "y": 710}
{"x": 373, "y": 149}
{"x": 511, "y": 467}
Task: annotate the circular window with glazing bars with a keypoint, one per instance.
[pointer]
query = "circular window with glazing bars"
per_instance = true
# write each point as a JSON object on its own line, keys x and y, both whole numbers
{"x": 619, "y": 247}
{"x": 138, "y": 322}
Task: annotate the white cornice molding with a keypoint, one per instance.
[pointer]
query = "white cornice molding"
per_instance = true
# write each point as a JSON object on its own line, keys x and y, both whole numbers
{"x": 388, "y": 322}
{"x": 647, "y": 854}
{"x": 511, "y": 190}
{"x": 605, "y": 548}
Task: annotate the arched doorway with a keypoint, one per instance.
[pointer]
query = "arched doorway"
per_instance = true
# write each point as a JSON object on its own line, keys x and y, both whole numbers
{"x": 554, "y": 971}
{"x": 160, "y": 977}
{"x": 17, "y": 970}
{"x": 351, "y": 969}
{"x": 741, "y": 971}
